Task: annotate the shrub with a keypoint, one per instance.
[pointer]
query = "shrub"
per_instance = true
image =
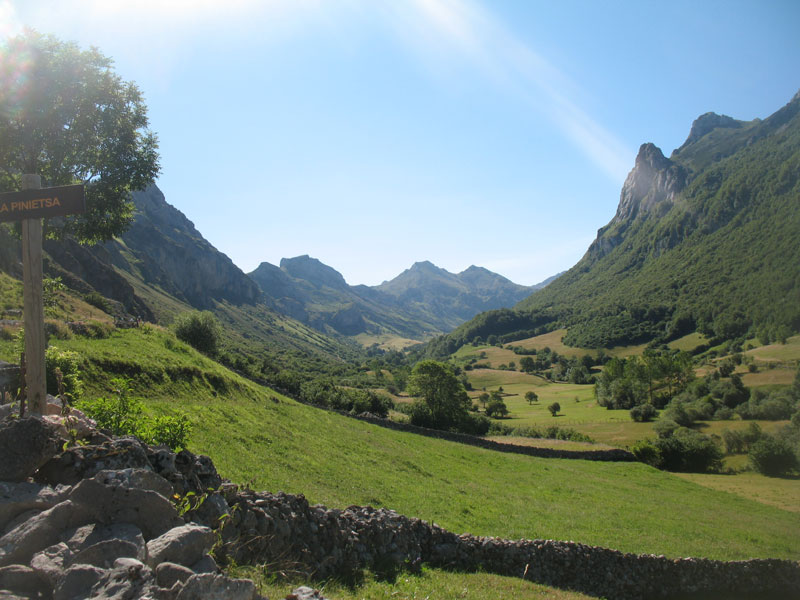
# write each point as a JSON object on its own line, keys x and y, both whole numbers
{"x": 57, "y": 329}
{"x": 774, "y": 407}
{"x": 166, "y": 430}
{"x": 735, "y": 442}
{"x": 723, "y": 414}
{"x": 643, "y": 413}
{"x": 665, "y": 427}
{"x": 646, "y": 451}
{"x": 69, "y": 364}
{"x": 124, "y": 415}
{"x": 201, "y": 330}
{"x": 773, "y": 456}
{"x": 92, "y": 329}
{"x": 689, "y": 451}
{"x": 97, "y": 300}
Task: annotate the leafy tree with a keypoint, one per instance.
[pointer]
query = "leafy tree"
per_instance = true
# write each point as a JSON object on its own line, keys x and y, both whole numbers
{"x": 531, "y": 397}
{"x": 445, "y": 399}
{"x": 554, "y": 408}
{"x": 497, "y": 409}
{"x": 689, "y": 451}
{"x": 527, "y": 364}
{"x": 773, "y": 456}
{"x": 65, "y": 115}
{"x": 201, "y": 330}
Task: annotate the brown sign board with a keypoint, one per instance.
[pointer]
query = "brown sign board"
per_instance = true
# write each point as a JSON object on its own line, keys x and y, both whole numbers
{"x": 42, "y": 203}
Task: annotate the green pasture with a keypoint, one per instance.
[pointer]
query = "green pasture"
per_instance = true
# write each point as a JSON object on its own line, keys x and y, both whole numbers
{"x": 274, "y": 443}
{"x": 788, "y": 352}
{"x": 577, "y": 402}
{"x": 430, "y": 584}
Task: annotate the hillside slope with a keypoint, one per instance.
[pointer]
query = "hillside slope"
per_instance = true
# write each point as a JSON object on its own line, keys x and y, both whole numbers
{"x": 704, "y": 240}
{"x": 257, "y": 436}
{"x": 162, "y": 266}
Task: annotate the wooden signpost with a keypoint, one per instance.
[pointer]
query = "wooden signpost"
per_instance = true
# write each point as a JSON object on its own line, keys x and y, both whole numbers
{"x": 30, "y": 206}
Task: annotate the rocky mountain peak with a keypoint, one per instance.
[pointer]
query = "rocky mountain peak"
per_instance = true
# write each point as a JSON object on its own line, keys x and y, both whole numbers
{"x": 652, "y": 184}
{"x": 650, "y": 157}
{"x": 424, "y": 265}
{"x": 706, "y": 123}
{"x": 313, "y": 271}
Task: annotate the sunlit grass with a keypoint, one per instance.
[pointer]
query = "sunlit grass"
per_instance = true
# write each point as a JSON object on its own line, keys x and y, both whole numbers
{"x": 431, "y": 583}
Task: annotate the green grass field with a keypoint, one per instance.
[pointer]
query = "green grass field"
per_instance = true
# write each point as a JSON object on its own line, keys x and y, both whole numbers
{"x": 577, "y": 402}
{"x": 432, "y": 583}
{"x": 257, "y": 436}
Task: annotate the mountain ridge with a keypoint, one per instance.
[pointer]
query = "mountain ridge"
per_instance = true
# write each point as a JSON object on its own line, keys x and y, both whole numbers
{"x": 421, "y": 301}
{"x": 704, "y": 240}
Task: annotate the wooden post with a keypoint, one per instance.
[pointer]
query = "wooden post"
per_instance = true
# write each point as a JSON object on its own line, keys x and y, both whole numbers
{"x": 33, "y": 307}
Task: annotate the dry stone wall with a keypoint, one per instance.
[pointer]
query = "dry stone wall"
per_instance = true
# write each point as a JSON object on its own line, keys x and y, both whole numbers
{"x": 96, "y": 519}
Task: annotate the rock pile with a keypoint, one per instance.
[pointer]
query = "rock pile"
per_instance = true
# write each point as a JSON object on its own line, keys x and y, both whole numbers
{"x": 97, "y": 521}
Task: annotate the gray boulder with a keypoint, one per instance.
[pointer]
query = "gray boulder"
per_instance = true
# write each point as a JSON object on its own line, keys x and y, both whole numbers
{"x": 51, "y": 561}
{"x": 169, "y": 573}
{"x": 184, "y": 545}
{"x": 208, "y": 586}
{"x": 77, "y": 583}
{"x": 19, "y": 497}
{"x": 103, "y": 554}
{"x": 81, "y": 538}
{"x": 149, "y": 511}
{"x": 37, "y": 533}
{"x": 81, "y": 462}
{"x": 25, "y": 582}
{"x": 143, "y": 479}
{"x": 128, "y": 579}
{"x": 25, "y": 445}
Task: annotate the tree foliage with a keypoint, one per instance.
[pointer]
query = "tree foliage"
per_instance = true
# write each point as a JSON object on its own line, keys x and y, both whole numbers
{"x": 200, "y": 329}
{"x": 442, "y": 392}
{"x": 65, "y": 115}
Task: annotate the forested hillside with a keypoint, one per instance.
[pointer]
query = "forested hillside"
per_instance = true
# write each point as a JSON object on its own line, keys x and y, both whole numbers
{"x": 705, "y": 240}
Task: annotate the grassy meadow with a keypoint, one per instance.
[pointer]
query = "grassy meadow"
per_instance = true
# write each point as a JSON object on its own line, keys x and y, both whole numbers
{"x": 273, "y": 443}
{"x": 431, "y": 583}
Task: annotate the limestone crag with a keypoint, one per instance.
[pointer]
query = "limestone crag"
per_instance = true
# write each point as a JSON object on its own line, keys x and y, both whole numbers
{"x": 650, "y": 190}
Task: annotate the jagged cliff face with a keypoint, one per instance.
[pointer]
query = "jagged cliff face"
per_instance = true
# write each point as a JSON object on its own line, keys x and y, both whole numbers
{"x": 170, "y": 251}
{"x": 162, "y": 250}
{"x": 703, "y": 239}
{"x": 650, "y": 190}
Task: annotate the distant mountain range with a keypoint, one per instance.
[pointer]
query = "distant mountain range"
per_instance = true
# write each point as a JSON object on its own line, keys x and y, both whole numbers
{"x": 423, "y": 300}
{"x": 706, "y": 240}
{"x": 163, "y": 266}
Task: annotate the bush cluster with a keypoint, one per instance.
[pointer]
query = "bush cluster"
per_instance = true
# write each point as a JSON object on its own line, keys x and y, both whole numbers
{"x": 325, "y": 393}
{"x": 680, "y": 449}
{"x": 201, "y": 330}
{"x": 124, "y": 415}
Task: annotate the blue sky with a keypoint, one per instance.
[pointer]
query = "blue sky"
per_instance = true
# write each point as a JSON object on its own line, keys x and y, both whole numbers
{"x": 372, "y": 134}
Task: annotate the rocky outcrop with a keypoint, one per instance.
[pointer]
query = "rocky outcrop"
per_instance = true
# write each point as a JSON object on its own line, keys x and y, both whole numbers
{"x": 169, "y": 250}
{"x": 163, "y": 250}
{"x": 706, "y": 123}
{"x": 649, "y": 191}
{"x": 313, "y": 271}
{"x": 115, "y": 534}
{"x": 111, "y": 534}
